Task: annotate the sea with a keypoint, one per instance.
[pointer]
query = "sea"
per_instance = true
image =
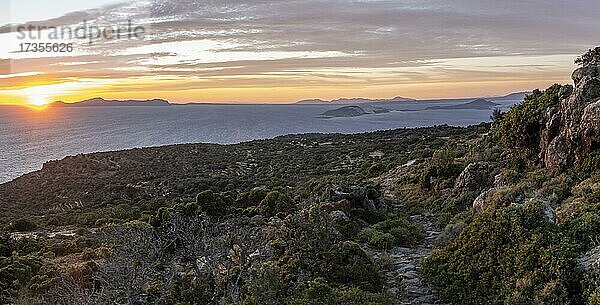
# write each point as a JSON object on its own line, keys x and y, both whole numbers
{"x": 29, "y": 137}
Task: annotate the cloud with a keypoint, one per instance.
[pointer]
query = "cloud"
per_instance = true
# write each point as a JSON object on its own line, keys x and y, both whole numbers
{"x": 263, "y": 43}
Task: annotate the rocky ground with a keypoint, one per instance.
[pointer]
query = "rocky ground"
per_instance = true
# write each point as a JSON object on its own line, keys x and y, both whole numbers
{"x": 402, "y": 278}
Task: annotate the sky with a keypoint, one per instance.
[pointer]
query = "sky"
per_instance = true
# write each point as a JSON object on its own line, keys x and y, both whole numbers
{"x": 281, "y": 51}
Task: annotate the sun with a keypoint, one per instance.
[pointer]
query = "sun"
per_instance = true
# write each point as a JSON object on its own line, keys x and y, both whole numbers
{"x": 38, "y": 100}
{"x": 37, "y": 96}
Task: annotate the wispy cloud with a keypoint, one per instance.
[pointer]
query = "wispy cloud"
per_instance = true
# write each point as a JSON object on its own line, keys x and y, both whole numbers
{"x": 192, "y": 45}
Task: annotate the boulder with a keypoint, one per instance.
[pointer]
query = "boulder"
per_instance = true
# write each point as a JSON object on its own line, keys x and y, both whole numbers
{"x": 257, "y": 220}
{"x": 572, "y": 130}
{"x": 590, "y": 261}
{"x": 474, "y": 178}
{"x": 480, "y": 203}
{"x": 339, "y": 216}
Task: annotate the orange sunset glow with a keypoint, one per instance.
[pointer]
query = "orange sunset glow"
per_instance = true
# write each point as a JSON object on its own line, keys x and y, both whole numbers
{"x": 259, "y": 60}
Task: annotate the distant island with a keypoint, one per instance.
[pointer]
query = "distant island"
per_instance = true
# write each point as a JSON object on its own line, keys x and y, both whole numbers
{"x": 517, "y": 96}
{"x": 364, "y": 109}
{"x": 356, "y": 100}
{"x": 353, "y": 111}
{"x": 478, "y": 104}
{"x": 511, "y": 97}
{"x": 98, "y": 102}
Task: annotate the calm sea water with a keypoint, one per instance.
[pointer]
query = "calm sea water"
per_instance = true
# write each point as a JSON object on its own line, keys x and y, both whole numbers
{"x": 28, "y": 138}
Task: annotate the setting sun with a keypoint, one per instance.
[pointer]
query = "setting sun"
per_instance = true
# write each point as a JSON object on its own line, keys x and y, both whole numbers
{"x": 41, "y": 95}
{"x": 38, "y": 100}
{"x": 36, "y": 96}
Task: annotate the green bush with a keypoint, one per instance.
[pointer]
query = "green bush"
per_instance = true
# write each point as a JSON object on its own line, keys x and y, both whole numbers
{"x": 212, "y": 204}
{"x": 520, "y": 127}
{"x": 123, "y": 212}
{"x": 317, "y": 293}
{"x": 275, "y": 202}
{"x": 23, "y": 225}
{"x": 251, "y": 198}
{"x": 376, "y": 170}
{"x": 590, "y": 165}
{"x": 397, "y": 230}
{"x": 376, "y": 238}
{"x": 443, "y": 162}
{"x": 585, "y": 230}
{"x": 320, "y": 293}
{"x": 348, "y": 264}
{"x": 509, "y": 255}
{"x": 161, "y": 216}
{"x": 405, "y": 231}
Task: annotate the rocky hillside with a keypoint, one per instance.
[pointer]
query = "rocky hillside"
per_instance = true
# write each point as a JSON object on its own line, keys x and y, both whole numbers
{"x": 572, "y": 130}
{"x": 525, "y": 212}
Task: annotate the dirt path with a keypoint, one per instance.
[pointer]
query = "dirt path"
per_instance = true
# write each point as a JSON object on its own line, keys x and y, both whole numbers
{"x": 403, "y": 280}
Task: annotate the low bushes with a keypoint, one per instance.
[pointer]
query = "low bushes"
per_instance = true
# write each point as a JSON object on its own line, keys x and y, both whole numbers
{"x": 508, "y": 255}
{"x": 397, "y": 230}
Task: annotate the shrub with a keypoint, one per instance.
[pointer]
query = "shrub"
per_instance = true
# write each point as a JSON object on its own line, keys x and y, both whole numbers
{"x": 320, "y": 293}
{"x": 405, "y": 231}
{"x": 251, "y": 198}
{"x": 590, "y": 165}
{"x": 317, "y": 293}
{"x": 376, "y": 170}
{"x": 509, "y": 255}
{"x": 348, "y": 264}
{"x": 275, "y": 202}
{"x": 585, "y": 230}
{"x": 23, "y": 225}
{"x": 592, "y": 56}
{"x": 211, "y": 204}
{"x": 376, "y": 238}
{"x": 267, "y": 285}
{"x": 355, "y": 296}
{"x": 520, "y": 127}
{"x": 395, "y": 231}
{"x": 443, "y": 161}
{"x": 161, "y": 216}
{"x": 123, "y": 212}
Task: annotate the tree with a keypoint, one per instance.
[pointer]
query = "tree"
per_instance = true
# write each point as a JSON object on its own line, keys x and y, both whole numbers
{"x": 497, "y": 115}
{"x": 591, "y": 57}
{"x": 443, "y": 161}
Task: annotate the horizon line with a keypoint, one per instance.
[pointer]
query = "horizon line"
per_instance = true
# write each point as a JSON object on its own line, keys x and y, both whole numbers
{"x": 324, "y": 101}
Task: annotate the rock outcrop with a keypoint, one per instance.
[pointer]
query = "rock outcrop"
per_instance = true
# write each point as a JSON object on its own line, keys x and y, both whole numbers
{"x": 572, "y": 130}
{"x": 474, "y": 178}
{"x": 590, "y": 261}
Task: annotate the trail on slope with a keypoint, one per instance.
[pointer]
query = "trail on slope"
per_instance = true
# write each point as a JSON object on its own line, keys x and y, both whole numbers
{"x": 403, "y": 279}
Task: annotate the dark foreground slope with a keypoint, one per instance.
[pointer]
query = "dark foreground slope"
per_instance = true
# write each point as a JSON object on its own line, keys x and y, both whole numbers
{"x": 85, "y": 188}
{"x": 292, "y": 220}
